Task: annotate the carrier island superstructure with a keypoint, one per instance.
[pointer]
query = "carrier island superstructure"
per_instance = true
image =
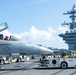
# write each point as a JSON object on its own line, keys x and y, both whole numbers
{"x": 70, "y": 36}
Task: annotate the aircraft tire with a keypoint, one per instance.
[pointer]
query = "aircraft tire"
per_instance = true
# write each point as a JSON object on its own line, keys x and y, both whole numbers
{"x": 2, "y": 62}
{"x": 18, "y": 60}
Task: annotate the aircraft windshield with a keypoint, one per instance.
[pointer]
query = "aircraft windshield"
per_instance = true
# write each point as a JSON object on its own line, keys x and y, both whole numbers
{"x": 13, "y": 38}
{"x": 3, "y": 26}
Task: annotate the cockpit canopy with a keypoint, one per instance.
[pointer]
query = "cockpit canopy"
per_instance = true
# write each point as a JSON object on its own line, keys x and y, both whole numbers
{"x": 3, "y": 26}
{"x": 11, "y": 38}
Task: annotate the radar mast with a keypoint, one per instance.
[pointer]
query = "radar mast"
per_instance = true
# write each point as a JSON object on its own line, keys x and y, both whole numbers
{"x": 70, "y": 37}
{"x": 72, "y": 13}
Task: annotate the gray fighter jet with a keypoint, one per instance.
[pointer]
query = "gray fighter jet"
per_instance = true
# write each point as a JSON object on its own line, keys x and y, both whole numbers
{"x": 17, "y": 46}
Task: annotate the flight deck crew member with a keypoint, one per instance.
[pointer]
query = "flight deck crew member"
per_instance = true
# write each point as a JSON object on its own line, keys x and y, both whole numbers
{"x": 71, "y": 55}
{"x": 63, "y": 53}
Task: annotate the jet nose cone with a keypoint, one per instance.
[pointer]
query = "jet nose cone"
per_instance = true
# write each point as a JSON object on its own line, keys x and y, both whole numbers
{"x": 46, "y": 51}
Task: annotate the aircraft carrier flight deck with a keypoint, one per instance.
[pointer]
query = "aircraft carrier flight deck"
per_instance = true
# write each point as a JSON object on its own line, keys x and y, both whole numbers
{"x": 32, "y": 68}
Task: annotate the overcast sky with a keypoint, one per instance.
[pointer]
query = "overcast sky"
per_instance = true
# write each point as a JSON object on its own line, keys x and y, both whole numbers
{"x": 36, "y": 21}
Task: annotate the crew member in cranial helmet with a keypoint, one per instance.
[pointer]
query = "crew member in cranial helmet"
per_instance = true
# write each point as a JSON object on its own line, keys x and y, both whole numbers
{"x": 71, "y": 54}
{"x": 63, "y": 53}
{"x": 6, "y": 38}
